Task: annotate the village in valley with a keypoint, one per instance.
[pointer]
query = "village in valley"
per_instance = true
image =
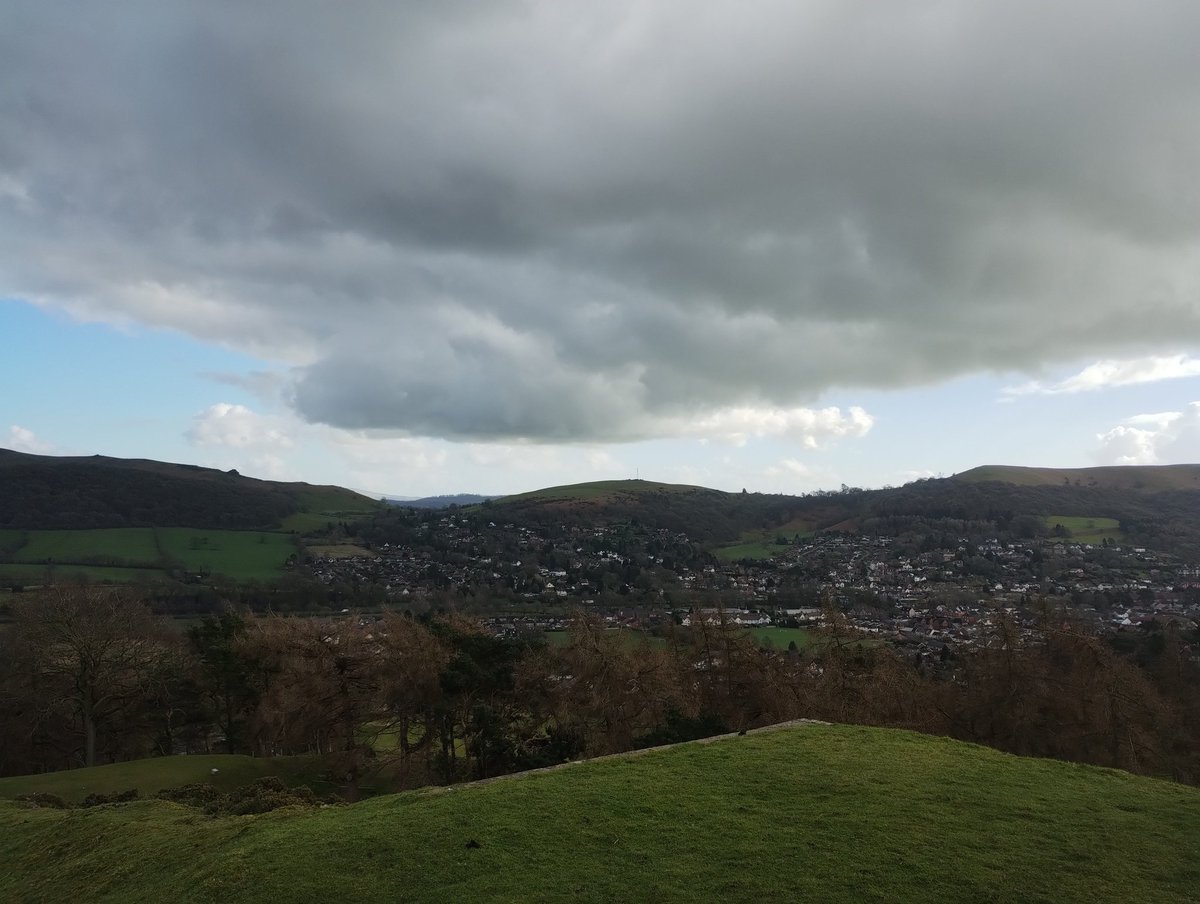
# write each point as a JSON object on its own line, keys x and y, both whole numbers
{"x": 925, "y": 596}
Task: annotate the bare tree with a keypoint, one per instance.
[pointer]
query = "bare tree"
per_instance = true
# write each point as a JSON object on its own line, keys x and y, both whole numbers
{"x": 91, "y": 650}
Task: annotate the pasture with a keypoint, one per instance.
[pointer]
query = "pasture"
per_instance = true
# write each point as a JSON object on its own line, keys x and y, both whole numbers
{"x": 142, "y": 553}
{"x": 1085, "y": 529}
{"x": 240, "y": 554}
{"x": 830, "y": 813}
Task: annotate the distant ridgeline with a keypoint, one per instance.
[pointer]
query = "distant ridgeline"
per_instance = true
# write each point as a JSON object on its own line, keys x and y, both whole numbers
{"x": 1157, "y": 507}
{"x": 1154, "y": 506}
{"x": 44, "y": 492}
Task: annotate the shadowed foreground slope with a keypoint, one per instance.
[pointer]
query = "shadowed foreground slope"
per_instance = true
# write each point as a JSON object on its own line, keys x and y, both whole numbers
{"x": 815, "y": 813}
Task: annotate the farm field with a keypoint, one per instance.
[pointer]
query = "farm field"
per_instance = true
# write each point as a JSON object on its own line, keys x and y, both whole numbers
{"x": 806, "y": 813}
{"x": 140, "y": 553}
{"x": 761, "y": 544}
{"x": 120, "y": 545}
{"x": 37, "y": 574}
{"x": 1086, "y": 529}
{"x": 245, "y": 555}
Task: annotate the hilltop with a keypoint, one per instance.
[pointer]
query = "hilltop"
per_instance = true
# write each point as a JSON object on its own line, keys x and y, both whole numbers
{"x": 98, "y": 518}
{"x": 49, "y": 492}
{"x": 820, "y": 812}
{"x": 1139, "y": 478}
{"x": 1153, "y": 506}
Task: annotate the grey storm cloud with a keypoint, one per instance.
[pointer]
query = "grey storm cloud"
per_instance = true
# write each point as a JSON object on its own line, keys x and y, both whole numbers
{"x": 573, "y": 220}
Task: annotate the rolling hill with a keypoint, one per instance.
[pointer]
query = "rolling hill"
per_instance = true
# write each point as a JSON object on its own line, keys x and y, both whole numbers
{"x": 115, "y": 519}
{"x": 1139, "y": 478}
{"x": 1152, "y": 506}
{"x": 47, "y": 492}
{"x": 813, "y": 813}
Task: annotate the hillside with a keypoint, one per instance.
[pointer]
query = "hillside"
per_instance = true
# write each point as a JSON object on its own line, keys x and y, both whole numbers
{"x": 51, "y": 492}
{"x": 707, "y": 515}
{"x": 1151, "y": 506}
{"x": 1141, "y": 478}
{"x": 135, "y": 520}
{"x": 820, "y": 813}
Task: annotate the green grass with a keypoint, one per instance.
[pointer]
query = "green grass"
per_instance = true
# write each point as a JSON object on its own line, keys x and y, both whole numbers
{"x": 133, "y": 545}
{"x": 138, "y": 553}
{"x": 1088, "y": 530}
{"x": 254, "y": 555}
{"x": 152, "y": 775}
{"x": 36, "y": 574}
{"x": 602, "y": 488}
{"x": 820, "y": 813}
{"x": 756, "y": 550}
{"x": 1147, "y": 478}
{"x": 761, "y": 544}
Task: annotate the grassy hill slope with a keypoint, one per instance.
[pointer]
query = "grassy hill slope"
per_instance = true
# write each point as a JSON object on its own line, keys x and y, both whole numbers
{"x": 49, "y": 492}
{"x": 814, "y": 813}
{"x": 1146, "y": 478}
{"x": 707, "y": 515}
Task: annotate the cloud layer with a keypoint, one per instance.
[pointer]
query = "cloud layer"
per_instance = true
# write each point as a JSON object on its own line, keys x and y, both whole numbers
{"x": 575, "y": 221}
{"x": 1150, "y": 439}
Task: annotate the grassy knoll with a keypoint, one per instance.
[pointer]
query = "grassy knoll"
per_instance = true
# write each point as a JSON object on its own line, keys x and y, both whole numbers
{"x": 152, "y": 775}
{"x": 817, "y": 813}
{"x": 1087, "y": 530}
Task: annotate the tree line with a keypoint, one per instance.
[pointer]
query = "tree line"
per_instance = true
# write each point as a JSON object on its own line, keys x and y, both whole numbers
{"x": 89, "y": 675}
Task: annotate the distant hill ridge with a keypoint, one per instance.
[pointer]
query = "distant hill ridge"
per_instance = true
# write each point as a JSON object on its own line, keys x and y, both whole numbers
{"x": 1155, "y": 505}
{"x": 1145, "y": 478}
{"x": 60, "y": 492}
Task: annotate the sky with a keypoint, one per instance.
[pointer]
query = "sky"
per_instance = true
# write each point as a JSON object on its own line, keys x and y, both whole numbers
{"x": 421, "y": 248}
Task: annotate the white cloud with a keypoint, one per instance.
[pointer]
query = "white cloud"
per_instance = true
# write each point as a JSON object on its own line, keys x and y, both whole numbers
{"x": 1171, "y": 437}
{"x": 1106, "y": 374}
{"x": 581, "y": 222}
{"x": 21, "y": 439}
{"x": 808, "y": 426}
{"x": 224, "y": 424}
{"x": 789, "y": 466}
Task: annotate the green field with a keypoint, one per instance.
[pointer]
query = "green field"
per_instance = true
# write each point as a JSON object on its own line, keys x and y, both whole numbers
{"x": 1087, "y": 530}
{"x": 37, "y": 574}
{"x": 132, "y": 545}
{"x": 762, "y": 544}
{"x": 813, "y": 813}
{"x": 152, "y": 775}
{"x": 240, "y": 554}
{"x": 142, "y": 553}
